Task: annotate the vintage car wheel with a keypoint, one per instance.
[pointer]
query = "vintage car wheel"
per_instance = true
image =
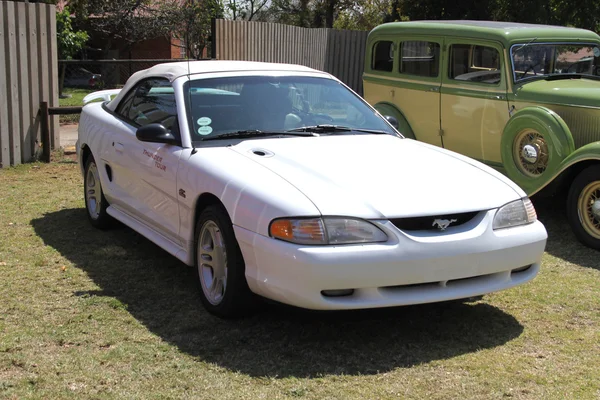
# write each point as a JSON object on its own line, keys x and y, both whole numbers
{"x": 583, "y": 206}
{"x": 95, "y": 202}
{"x": 534, "y": 142}
{"x": 220, "y": 266}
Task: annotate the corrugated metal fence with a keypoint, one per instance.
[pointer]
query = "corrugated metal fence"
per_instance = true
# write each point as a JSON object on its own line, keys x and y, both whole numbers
{"x": 340, "y": 53}
{"x": 28, "y": 75}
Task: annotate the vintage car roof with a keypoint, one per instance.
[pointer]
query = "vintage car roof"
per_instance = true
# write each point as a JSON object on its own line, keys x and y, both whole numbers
{"x": 175, "y": 70}
{"x": 507, "y": 33}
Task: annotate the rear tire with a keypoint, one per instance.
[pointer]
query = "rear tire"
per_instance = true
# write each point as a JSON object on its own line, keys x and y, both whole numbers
{"x": 95, "y": 202}
{"x": 583, "y": 206}
{"x": 220, "y": 267}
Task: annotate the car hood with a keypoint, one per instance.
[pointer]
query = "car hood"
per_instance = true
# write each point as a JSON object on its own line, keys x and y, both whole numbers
{"x": 581, "y": 92}
{"x": 380, "y": 176}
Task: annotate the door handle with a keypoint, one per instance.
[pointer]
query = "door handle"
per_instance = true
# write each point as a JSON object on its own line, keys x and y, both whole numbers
{"x": 434, "y": 89}
{"x": 496, "y": 97}
{"x": 119, "y": 147}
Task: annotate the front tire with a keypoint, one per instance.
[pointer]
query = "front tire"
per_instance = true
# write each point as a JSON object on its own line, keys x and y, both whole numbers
{"x": 220, "y": 267}
{"x": 583, "y": 206}
{"x": 95, "y": 202}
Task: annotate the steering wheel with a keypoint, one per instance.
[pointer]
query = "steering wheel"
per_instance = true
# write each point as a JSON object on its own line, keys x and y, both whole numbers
{"x": 531, "y": 67}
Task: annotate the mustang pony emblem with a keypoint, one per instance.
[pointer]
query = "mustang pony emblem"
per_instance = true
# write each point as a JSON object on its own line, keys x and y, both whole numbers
{"x": 442, "y": 224}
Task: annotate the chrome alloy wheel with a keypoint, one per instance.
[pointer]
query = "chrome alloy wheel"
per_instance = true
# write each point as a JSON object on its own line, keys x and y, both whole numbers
{"x": 93, "y": 191}
{"x": 588, "y": 207}
{"x": 212, "y": 262}
{"x": 531, "y": 153}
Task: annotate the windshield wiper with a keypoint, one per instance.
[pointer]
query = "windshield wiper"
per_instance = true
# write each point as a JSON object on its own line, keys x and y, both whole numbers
{"x": 249, "y": 133}
{"x": 325, "y": 128}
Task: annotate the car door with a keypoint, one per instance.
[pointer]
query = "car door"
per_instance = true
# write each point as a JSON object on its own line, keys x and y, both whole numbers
{"x": 418, "y": 81}
{"x": 474, "y": 105}
{"x": 146, "y": 173}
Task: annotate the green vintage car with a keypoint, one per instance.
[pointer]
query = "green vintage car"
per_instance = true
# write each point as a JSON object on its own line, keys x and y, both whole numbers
{"x": 522, "y": 98}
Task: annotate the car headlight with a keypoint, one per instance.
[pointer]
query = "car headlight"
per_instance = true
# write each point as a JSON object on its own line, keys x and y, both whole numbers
{"x": 520, "y": 212}
{"x": 327, "y": 230}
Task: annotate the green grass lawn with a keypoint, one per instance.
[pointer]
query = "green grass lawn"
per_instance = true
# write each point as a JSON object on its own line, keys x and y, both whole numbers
{"x": 76, "y": 99}
{"x": 92, "y": 314}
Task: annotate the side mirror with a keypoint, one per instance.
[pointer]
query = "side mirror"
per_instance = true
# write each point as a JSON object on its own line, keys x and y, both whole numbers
{"x": 155, "y": 133}
{"x": 393, "y": 121}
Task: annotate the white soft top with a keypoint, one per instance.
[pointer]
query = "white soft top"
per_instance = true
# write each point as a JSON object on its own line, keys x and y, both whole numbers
{"x": 174, "y": 70}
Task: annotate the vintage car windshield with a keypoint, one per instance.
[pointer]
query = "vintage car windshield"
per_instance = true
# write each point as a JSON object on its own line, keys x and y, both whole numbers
{"x": 226, "y": 105}
{"x": 540, "y": 60}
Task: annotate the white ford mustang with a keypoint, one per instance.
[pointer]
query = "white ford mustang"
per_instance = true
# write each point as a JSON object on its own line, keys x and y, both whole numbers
{"x": 278, "y": 180}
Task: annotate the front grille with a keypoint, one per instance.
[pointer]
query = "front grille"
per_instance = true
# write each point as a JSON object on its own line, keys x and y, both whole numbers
{"x": 427, "y": 223}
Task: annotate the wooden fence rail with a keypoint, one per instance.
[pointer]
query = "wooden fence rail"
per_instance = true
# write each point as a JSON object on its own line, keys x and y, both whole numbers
{"x": 28, "y": 75}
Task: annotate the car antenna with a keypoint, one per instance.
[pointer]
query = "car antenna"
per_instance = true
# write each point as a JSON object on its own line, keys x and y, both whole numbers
{"x": 187, "y": 45}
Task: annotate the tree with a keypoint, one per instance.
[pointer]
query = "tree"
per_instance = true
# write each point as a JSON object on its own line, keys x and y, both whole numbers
{"x": 246, "y": 9}
{"x": 191, "y": 23}
{"x": 69, "y": 41}
{"x": 364, "y": 15}
{"x": 122, "y": 21}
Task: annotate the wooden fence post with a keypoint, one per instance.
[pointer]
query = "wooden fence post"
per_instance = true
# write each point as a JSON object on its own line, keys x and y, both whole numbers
{"x": 45, "y": 127}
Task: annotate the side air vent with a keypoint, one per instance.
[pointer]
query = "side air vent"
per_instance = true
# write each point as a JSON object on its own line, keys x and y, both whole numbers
{"x": 108, "y": 171}
{"x": 434, "y": 222}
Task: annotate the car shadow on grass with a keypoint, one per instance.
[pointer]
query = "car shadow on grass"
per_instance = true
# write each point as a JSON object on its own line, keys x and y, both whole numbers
{"x": 278, "y": 341}
{"x": 562, "y": 242}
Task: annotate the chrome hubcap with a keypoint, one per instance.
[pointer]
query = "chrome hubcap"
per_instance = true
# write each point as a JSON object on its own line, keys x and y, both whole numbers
{"x": 93, "y": 192}
{"x": 596, "y": 209}
{"x": 212, "y": 262}
{"x": 531, "y": 153}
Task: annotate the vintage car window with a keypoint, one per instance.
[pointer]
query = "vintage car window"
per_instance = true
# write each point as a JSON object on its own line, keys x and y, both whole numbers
{"x": 540, "y": 60}
{"x": 383, "y": 56}
{"x": 151, "y": 101}
{"x": 274, "y": 103}
{"x": 420, "y": 58}
{"x": 472, "y": 63}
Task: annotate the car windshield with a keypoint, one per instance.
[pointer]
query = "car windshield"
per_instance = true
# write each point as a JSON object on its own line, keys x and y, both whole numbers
{"x": 531, "y": 60}
{"x": 256, "y": 106}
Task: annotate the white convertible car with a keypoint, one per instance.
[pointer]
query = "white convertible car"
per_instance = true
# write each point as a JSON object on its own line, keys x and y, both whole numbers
{"x": 277, "y": 180}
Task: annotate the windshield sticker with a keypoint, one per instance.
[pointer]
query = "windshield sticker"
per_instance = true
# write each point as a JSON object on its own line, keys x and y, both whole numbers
{"x": 204, "y": 121}
{"x": 596, "y": 52}
{"x": 205, "y": 130}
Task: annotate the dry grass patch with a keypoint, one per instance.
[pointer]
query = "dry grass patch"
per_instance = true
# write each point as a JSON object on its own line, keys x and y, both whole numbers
{"x": 91, "y": 314}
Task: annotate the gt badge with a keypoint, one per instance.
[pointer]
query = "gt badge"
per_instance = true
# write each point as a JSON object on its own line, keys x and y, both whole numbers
{"x": 442, "y": 224}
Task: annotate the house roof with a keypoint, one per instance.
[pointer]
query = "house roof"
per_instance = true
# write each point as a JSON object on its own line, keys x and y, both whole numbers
{"x": 505, "y": 32}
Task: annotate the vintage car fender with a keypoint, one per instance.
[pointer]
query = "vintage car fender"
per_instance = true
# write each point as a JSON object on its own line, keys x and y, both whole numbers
{"x": 536, "y": 133}
{"x": 387, "y": 109}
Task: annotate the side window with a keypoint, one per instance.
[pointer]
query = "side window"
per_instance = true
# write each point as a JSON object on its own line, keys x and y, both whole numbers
{"x": 383, "y": 56}
{"x": 420, "y": 58}
{"x": 474, "y": 64}
{"x": 151, "y": 101}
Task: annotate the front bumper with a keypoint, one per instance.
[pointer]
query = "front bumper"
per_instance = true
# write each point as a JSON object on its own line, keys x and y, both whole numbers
{"x": 411, "y": 268}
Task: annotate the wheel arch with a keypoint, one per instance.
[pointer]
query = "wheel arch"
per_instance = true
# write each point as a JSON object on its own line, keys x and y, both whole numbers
{"x": 385, "y": 108}
{"x": 84, "y": 154}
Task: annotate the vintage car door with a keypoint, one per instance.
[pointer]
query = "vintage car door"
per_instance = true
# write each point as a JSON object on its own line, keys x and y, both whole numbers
{"x": 418, "y": 82}
{"x": 146, "y": 173}
{"x": 474, "y": 105}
